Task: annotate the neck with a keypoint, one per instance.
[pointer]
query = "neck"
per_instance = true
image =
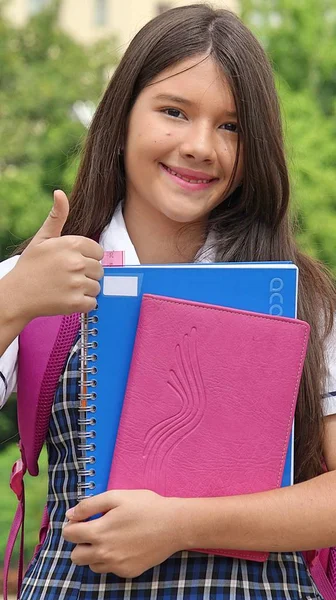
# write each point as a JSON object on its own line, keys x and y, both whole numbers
{"x": 158, "y": 240}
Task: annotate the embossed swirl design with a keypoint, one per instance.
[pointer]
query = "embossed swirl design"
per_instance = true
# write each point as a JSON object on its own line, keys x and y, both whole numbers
{"x": 162, "y": 439}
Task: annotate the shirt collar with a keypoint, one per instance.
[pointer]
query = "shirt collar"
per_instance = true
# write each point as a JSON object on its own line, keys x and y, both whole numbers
{"x": 115, "y": 237}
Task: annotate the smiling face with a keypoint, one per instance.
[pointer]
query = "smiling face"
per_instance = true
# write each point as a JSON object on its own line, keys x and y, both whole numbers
{"x": 181, "y": 144}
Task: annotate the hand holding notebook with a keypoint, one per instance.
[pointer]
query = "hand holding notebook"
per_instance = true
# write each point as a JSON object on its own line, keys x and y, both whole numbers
{"x": 210, "y": 401}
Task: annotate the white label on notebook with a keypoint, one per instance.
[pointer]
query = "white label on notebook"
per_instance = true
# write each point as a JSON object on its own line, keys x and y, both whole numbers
{"x": 120, "y": 286}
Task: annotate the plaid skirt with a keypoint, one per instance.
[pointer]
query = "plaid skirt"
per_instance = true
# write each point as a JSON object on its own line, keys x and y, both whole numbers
{"x": 184, "y": 576}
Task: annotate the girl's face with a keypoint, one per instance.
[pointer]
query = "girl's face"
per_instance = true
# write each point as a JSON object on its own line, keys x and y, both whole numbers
{"x": 182, "y": 143}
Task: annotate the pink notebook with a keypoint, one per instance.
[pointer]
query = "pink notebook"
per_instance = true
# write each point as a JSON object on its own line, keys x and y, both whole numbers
{"x": 210, "y": 402}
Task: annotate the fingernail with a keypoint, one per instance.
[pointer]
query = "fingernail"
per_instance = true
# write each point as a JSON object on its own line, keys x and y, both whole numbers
{"x": 70, "y": 513}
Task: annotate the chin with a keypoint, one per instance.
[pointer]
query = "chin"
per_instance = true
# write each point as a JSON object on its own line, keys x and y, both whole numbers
{"x": 180, "y": 212}
{"x": 183, "y": 217}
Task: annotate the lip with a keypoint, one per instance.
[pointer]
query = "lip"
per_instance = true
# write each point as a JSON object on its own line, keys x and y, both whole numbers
{"x": 191, "y": 174}
{"x": 188, "y": 186}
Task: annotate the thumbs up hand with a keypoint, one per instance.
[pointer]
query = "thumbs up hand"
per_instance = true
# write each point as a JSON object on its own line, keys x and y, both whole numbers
{"x": 57, "y": 274}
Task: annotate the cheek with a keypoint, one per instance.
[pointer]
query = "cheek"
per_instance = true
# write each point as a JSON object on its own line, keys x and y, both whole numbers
{"x": 151, "y": 145}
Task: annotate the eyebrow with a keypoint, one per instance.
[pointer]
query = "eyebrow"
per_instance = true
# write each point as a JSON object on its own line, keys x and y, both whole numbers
{"x": 180, "y": 100}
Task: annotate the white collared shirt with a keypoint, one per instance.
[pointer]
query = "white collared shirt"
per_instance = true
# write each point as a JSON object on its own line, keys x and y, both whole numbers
{"x": 115, "y": 237}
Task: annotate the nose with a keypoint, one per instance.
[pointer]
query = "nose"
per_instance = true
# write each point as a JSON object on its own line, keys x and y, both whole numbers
{"x": 198, "y": 143}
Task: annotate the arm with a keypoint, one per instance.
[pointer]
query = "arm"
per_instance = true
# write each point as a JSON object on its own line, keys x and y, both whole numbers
{"x": 8, "y": 339}
{"x": 301, "y": 517}
{"x": 12, "y": 319}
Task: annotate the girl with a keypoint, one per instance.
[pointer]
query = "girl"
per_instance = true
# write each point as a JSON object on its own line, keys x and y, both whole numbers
{"x": 184, "y": 161}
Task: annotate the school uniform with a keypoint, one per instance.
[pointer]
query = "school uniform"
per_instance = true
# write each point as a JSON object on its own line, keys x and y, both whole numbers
{"x": 185, "y": 575}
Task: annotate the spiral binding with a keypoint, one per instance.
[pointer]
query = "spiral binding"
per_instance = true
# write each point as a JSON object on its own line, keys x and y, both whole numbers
{"x": 87, "y": 406}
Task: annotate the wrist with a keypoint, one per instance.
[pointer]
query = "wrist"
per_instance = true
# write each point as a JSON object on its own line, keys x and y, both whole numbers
{"x": 180, "y": 523}
{"x": 16, "y": 304}
{"x": 196, "y": 522}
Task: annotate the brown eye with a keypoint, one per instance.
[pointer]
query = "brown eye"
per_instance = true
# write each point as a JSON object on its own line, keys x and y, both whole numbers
{"x": 173, "y": 112}
{"x": 230, "y": 127}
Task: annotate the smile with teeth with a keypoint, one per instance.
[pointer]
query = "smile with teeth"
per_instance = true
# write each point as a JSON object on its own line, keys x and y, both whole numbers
{"x": 186, "y": 178}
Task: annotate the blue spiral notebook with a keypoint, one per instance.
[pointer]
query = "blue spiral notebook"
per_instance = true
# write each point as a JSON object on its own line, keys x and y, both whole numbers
{"x": 109, "y": 334}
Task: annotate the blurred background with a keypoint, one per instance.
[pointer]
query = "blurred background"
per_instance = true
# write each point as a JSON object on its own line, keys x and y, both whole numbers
{"x": 56, "y": 57}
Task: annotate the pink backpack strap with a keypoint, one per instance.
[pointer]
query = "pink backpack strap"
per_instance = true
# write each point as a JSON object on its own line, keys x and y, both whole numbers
{"x": 43, "y": 348}
{"x": 43, "y": 530}
{"x": 331, "y": 570}
{"x": 319, "y": 564}
{"x": 17, "y": 486}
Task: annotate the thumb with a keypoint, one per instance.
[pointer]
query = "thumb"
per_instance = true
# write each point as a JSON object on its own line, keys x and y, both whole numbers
{"x": 55, "y": 221}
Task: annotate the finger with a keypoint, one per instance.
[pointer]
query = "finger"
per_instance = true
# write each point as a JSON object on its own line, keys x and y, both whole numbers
{"x": 55, "y": 221}
{"x": 88, "y": 304}
{"x": 100, "y": 568}
{"x": 91, "y": 288}
{"x": 93, "y": 269}
{"x": 87, "y": 247}
{"x": 89, "y": 507}
{"x": 79, "y": 533}
{"x": 83, "y": 554}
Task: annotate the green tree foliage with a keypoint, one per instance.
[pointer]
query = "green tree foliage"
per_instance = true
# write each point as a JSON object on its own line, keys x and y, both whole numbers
{"x": 299, "y": 36}
{"x": 311, "y": 147}
{"x": 43, "y": 74}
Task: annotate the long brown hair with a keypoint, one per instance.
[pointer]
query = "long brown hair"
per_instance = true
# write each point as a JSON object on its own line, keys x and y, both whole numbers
{"x": 253, "y": 223}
